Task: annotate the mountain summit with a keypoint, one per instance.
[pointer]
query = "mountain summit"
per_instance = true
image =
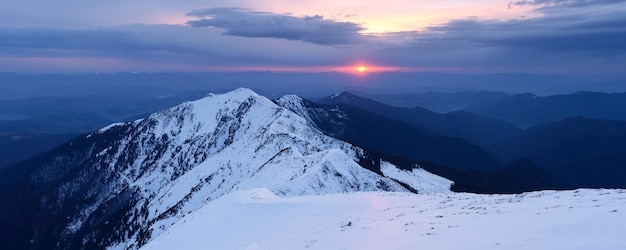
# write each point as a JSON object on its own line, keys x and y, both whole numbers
{"x": 124, "y": 185}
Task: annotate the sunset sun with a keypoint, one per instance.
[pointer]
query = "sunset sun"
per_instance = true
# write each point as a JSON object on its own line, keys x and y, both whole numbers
{"x": 361, "y": 68}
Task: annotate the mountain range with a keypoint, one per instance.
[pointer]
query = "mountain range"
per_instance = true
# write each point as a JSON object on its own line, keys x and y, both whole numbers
{"x": 124, "y": 185}
{"x": 407, "y": 144}
{"x": 135, "y": 183}
{"x": 389, "y": 136}
{"x": 527, "y": 110}
{"x": 570, "y": 153}
{"x": 482, "y": 131}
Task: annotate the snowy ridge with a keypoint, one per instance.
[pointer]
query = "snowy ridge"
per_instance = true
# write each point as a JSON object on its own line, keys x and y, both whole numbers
{"x": 258, "y": 219}
{"x": 102, "y": 130}
{"x": 418, "y": 179}
{"x": 178, "y": 160}
{"x": 296, "y": 105}
{"x": 311, "y": 112}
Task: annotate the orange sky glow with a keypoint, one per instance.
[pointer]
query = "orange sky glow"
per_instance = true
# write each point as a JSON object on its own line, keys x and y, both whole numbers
{"x": 312, "y": 36}
{"x": 378, "y": 18}
{"x": 359, "y": 69}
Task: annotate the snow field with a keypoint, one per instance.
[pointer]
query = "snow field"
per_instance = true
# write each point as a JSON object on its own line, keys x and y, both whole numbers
{"x": 258, "y": 219}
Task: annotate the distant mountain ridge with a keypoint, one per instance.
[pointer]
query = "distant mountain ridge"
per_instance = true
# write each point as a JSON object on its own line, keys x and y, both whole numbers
{"x": 437, "y": 101}
{"x": 125, "y": 184}
{"x": 483, "y": 131}
{"x": 527, "y": 110}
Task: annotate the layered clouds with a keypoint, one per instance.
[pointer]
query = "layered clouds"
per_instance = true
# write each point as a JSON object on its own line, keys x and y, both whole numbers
{"x": 247, "y": 23}
{"x": 559, "y": 36}
{"x": 563, "y": 3}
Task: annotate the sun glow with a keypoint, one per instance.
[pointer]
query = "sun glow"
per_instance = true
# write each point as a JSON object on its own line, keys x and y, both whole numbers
{"x": 361, "y": 68}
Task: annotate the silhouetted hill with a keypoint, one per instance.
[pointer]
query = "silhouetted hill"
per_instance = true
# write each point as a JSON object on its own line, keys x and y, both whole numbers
{"x": 567, "y": 141}
{"x": 528, "y": 110}
{"x": 483, "y": 131}
{"x": 579, "y": 152}
{"x": 605, "y": 171}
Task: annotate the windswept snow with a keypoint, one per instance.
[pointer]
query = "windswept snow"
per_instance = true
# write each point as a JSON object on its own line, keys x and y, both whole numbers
{"x": 102, "y": 130}
{"x": 258, "y": 219}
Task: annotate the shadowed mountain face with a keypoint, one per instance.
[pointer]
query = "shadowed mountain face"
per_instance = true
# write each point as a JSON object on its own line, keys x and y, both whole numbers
{"x": 482, "y": 131}
{"x": 567, "y": 141}
{"x": 519, "y": 176}
{"x": 15, "y": 147}
{"x": 528, "y": 110}
{"x": 390, "y": 136}
{"x": 408, "y": 146}
{"x": 579, "y": 152}
{"x": 576, "y": 152}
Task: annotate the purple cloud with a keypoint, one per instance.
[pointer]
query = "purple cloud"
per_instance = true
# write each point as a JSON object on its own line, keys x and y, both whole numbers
{"x": 246, "y": 23}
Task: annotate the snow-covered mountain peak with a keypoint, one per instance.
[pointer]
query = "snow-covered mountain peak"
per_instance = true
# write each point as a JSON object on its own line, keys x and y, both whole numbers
{"x": 236, "y": 96}
{"x": 145, "y": 175}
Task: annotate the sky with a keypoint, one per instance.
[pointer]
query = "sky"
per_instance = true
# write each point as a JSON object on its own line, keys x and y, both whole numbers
{"x": 481, "y": 36}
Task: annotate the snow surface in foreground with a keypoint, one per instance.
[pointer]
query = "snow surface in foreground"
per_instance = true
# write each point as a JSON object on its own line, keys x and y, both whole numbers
{"x": 258, "y": 219}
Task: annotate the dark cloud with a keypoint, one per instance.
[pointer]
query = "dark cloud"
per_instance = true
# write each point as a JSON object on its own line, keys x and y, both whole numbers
{"x": 587, "y": 40}
{"x": 605, "y": 33}
{"x": 247, "y": 23}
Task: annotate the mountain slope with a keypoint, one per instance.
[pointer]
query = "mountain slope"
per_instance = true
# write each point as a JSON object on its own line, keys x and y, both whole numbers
{"x": 16, "y": 147}
{"x": 390, "y": 136}
{"x": 128, "y": 182}
{"x": 257, "y": 219}
{"x": 482, "y": 131}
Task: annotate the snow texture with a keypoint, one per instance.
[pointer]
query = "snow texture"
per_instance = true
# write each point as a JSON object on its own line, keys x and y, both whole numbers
{"x": 258, "y": 219}
{"x": 418, "y": 179}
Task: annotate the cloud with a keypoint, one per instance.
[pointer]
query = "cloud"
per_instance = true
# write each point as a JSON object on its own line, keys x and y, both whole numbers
{"x": 24, "y": 42}
{"x": 577, "y": 40}
{"x": 563, "y": 3}
{"x": 577, "y": 37}
{"x": 601, "y": 33}
{"x": 246, "y": 23}
{"x": 188, "y": 48}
